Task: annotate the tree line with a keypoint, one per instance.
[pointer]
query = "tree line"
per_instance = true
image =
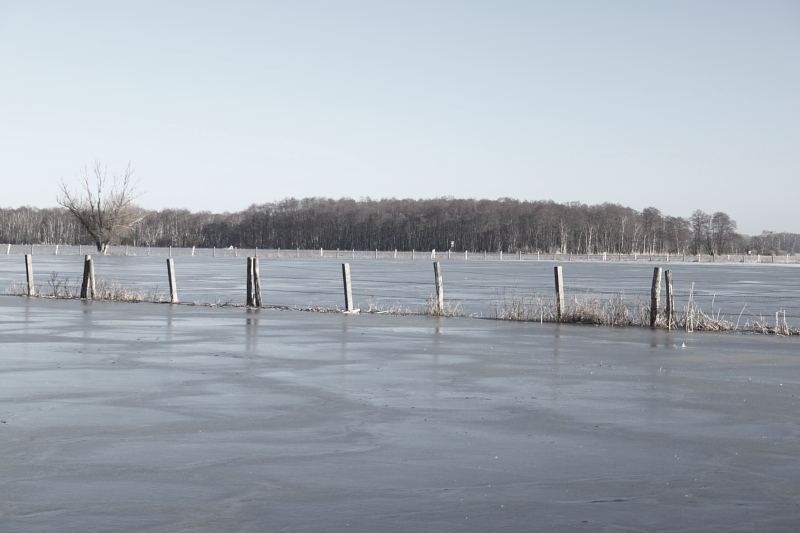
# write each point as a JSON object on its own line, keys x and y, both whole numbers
{"x": 505, "y": 224}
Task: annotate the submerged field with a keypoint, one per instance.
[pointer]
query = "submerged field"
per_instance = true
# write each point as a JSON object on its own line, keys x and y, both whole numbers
{"x": 120, "y": 417}
{"x": 735, "y": 292}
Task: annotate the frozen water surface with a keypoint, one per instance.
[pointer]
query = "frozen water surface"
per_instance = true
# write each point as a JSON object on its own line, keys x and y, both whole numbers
{"x": 160, "y": 418}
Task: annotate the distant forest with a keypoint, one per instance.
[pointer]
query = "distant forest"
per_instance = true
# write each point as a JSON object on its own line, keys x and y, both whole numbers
{"x": 475, "y": 225}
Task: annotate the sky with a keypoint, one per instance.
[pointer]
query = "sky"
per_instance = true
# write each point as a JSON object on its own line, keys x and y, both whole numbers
{"x": 679, "y": 105}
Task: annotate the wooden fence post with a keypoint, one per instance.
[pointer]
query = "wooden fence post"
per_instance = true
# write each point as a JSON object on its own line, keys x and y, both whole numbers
{"x": 348, "y": 293}
{"x": 249, "y": 300}
{"x": 670, "y": 298}
{"x": 88, "y": 285}
{"x": 29, "y": 274}
{"x": 437, "y": 272}
{"x": 256, "y": 283}
{"x": 559, "y": 293}
{"x": 173, "y": 289}
{"x": 655, "y": 293}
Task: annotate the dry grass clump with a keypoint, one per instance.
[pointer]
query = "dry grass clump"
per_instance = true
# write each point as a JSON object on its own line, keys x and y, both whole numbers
{"x": 591, "y": 308}
{"x": 61, "y": 288}
{"x": 586, "y": 308}
{"x": 432, "y": 308}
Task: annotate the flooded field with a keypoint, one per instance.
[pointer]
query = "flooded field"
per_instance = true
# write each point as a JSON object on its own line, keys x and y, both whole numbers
{"x": 159, "y": 418}
{"x": 738, "y": 291}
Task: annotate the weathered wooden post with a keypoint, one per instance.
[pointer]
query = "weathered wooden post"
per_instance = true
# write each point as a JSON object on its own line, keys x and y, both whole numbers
{"x": 213, "y": 251}
{"x": 437, "y": 273}
{"x": 670, "y": 299}
{"x": 29, "y": 274}
{"x": 126, "y": 251}
{"x": 88, "y": 285}
{"x": 256, "y": 283}
{"x": 501, "y": 255}
{"x": 395, "y": 253}
{"x": 559, "y": 294}
{"x": 56, "y": 250}
{"x": 520, "y": 255}
{"x": 348, "y": 293}
{"x": 412, "y": 254}
{"x": 655, "y": 293}
{"x": 433, "y": 253}
{"x": 466, "y": 255}
{"x": 249, "y": 300}
{"x": 173, "y": 289}
{"x": 376, "y": 253}
{"x": 320, "y": 252}
{"x": 170, "y": 251}
{"x": 8, "y": 249}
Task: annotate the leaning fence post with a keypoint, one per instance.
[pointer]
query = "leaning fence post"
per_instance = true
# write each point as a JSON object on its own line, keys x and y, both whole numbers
{"x": 559, "y": 293}
{"x": 88, "y": 285}
{"x": 256, "y": 283}
{"x": 670, "y": 298}
{"x": 348, "y": 293}
{"x": 29, "y": 274}
{"x": 249, "y": 301}
{"x": 655, "y": 293}
{"x": 437, "y": 272}
{"x": 173, "y": 289}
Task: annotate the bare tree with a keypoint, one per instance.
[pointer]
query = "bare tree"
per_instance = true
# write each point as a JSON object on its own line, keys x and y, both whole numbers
{"x": 104, "y": 209}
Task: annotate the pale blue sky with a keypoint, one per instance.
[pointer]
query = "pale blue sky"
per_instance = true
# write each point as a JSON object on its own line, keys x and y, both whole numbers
{"x": 678, "y": 105}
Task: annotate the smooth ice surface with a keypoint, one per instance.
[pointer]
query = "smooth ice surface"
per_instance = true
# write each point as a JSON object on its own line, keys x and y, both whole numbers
{"x": 736, "y": 291}
{"x": 160, "y": 418}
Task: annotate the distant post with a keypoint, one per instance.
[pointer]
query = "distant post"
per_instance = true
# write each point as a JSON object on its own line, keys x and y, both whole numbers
{"x": 670, "y": 298}
{"x": 348, "y": 293}
{"x": 559, "y": 293}
{"x": 437, "y": 273}
{"x": 88, "y": 285}
{"x": 256, "y": 283}
{"x": 173, "y": 289}
{"x": 249, "y": 301}
{"x": 29, "y": 274}
{"x": 655, "y": 293}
